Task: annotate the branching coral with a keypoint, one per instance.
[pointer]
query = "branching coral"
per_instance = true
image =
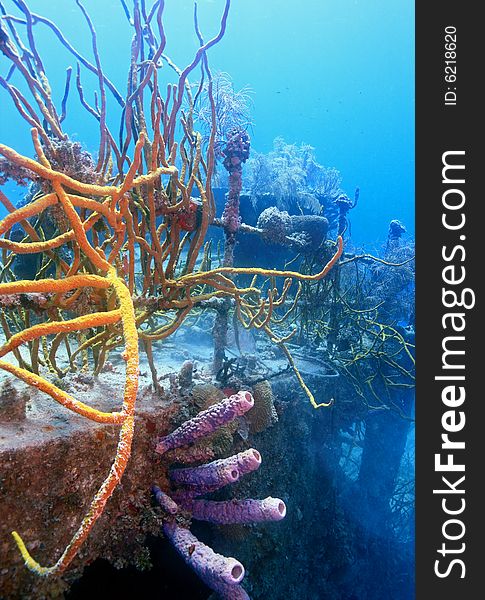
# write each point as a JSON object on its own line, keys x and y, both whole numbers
{"x": 120, "y": 243}
{"x": 364, "y": 318}
{"x": 291, "y": 176}
{"x": 232, "y": 108}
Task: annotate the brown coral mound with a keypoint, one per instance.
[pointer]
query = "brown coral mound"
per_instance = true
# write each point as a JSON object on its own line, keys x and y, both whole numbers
{"x": 206, "y": 394}
{"x": 263, "y": 414}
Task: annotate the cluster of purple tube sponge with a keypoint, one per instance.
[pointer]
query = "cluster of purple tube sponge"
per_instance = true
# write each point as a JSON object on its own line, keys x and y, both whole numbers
{"x": 222, "y": 574}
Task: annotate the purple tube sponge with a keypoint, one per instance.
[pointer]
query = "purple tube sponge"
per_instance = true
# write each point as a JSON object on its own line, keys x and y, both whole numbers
{"x": 207, "y": 421}
{"x": 238, "y": 511}
{"x": 247, "y": 461}
{"x": 167, "y": 504}
{"x": 214, "y": 569}
{"x": 218, "y": 473}
{"x": 231, "y": 592}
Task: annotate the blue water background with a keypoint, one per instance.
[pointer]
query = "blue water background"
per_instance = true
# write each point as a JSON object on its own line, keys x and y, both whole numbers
{"x": 336, "y": 74}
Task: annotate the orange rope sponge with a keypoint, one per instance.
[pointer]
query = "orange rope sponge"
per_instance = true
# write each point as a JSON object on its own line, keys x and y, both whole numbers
{"x": 126, "y": 314}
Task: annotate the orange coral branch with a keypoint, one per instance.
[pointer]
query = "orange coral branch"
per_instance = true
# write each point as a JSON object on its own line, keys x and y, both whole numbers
{"x": 51, "y": 175}
{"x": 44, "y": 286}
{"x": 34, "y": 247}
{"x": 84, "y": 322}
{"x": 125, "y": 440}
{"x": 25, "y": 212}
{"x": 62, "y": 397}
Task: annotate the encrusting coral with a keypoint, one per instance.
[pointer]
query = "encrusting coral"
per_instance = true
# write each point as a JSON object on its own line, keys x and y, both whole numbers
{"x": 205, "y": 394}
{"x": 141, "y": 277}
{"x": 12, "y": 403}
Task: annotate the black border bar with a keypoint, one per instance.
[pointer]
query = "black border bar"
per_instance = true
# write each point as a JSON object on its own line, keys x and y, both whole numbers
{"x": 450, "y": 131}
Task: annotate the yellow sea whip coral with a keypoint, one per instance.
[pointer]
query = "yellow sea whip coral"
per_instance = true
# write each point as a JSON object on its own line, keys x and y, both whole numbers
{"x": 107, "y": 223}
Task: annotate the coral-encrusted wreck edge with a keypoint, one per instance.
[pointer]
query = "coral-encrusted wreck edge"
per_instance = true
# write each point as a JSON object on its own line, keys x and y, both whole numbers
{"x": 52, "y": 461}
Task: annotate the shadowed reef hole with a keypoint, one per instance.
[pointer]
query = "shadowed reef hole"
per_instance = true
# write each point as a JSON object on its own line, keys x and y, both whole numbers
{"x": 168, "y": 579}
